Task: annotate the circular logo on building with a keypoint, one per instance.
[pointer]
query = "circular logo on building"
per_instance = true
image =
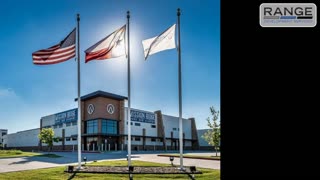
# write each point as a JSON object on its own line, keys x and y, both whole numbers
{"x": 110, "y": 108}
{"x": 90, "y": 108}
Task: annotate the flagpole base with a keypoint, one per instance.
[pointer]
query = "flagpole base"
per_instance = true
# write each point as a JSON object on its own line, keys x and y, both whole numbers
{"x": 181, "y": 168}
{"x": 79, "y": 168}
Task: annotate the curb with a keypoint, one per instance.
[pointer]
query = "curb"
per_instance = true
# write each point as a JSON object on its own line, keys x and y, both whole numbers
{"x": 204, "y": 158}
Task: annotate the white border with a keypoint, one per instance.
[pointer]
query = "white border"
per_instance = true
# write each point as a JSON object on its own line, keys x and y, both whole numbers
{"x": 315, "y": 13}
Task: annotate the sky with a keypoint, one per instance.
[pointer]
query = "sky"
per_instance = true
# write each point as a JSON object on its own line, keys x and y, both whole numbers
{"x": 29, "y": 92}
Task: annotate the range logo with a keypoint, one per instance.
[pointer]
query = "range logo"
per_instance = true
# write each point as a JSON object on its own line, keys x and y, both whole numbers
{"x": 288, "y": 15}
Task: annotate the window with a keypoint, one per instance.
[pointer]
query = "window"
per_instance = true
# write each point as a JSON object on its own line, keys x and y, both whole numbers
{"x": 137, "y": 124}
{"x": 55, "y": 127}
{"x": 74, "y": 123}
{"x": 153, "y": 126}
{"x": 130, "y": 123}
{"x": 60, "y": 139}
{"x": 174, "y": 129}
{"x": 109, "y": 126}
{"x": 60, "y": 125}
{"x": 68, "y": 124}
{"x": 92, "y": 126}
{"x": 137, "y": 138}
{"x": 153, "y": 139}
{"x": 74, "y": 138}
{"x": 67, "y": 138}
{"x": 4, "y": 133}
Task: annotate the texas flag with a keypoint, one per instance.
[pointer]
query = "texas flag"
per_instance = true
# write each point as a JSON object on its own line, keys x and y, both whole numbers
{"x": 111, "y": 46}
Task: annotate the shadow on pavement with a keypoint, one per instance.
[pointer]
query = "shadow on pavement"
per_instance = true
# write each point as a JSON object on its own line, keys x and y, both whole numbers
{"x": 67, "y": 157}
{"x": 19, "y": 162}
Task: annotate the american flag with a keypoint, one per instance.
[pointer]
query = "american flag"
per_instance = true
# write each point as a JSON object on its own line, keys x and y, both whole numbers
{"x": 61, "y": 52}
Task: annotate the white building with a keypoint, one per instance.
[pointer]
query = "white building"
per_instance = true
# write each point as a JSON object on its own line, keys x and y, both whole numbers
{"x": 104, "y": 127}
{"x": 27, "y": 140}
{"x": 3, "y": 132}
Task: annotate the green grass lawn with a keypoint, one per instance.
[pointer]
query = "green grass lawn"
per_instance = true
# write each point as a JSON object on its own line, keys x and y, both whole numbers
{"x": 192, "y": 156}
{"x": 58, "y": 173}
{"x": 18, "y": 153}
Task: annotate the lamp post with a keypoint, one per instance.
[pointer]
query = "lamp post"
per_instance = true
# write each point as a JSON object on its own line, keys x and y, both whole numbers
{"x": 85, "y": 160}
{"x": 171, "y": 159}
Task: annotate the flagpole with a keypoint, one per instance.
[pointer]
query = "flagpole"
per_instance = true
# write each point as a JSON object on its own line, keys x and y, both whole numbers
{"x": 180, "y": 97}
{"x": 79, "y": 100}
{"x": 129, "y": 115}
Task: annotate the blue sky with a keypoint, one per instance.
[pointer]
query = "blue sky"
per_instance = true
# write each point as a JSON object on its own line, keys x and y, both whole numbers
{"x": 28, "y": 91}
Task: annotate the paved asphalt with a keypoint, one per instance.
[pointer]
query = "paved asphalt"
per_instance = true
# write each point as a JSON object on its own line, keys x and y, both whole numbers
{"x": 27, "y": 163}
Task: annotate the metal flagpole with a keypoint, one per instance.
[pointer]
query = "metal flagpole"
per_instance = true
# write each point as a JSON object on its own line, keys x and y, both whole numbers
{"x": 79, "y": 100}
{"x": 180, "y": 98}
{"x": 129, "y": 115}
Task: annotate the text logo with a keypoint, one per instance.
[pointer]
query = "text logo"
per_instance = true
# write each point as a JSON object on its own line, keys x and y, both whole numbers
{"x": 66, "y": 116}
{"x": 110, "y": 108}
{"x": 90, "y": 108}
{"x": 288, "y": 15}
{"x": 141, "y": 116}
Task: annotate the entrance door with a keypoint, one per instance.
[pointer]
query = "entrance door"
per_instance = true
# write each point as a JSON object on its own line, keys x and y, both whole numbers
{"x": 92, "y": 144}
{"x": 112, "y": 141}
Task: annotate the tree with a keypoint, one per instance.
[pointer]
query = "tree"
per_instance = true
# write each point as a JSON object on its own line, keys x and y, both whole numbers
{"x": 212, "y": 136}
{"x": 47, "y": 136}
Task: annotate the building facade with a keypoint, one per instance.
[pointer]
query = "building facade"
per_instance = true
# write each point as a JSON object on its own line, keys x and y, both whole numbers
{"x": 203, "y": 144}
{"x": 104, "y": 127}
{"x": 3, "y": 132}
{"x": 25, "y": 140}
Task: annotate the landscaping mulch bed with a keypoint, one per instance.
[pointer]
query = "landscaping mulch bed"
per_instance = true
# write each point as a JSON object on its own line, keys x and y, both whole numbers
{"x": 136, "y": 170}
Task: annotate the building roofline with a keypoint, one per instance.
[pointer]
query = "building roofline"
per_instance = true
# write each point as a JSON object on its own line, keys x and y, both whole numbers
{"x": 100, "y": 93}
{"x": 26, "y": 130}
{"x": 175, "y": 116}
{"x": 58, "y": 113}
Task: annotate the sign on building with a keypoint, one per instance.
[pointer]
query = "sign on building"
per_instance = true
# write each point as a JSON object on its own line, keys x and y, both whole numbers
{"x": 67, "y": 116}
{"x": 144, "y": 117}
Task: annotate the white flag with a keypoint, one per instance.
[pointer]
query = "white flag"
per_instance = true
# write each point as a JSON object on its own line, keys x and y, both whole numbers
{"x": 164, "y": 41}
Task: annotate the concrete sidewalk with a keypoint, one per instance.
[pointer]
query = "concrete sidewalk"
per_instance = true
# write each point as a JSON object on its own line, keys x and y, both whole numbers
{"x": 211, "y": 164}
{"x": 28, "y": 163}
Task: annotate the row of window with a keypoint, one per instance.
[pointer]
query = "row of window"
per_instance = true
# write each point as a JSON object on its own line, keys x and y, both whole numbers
{"x": 69, "y": 139}
{"x": 174, "y": 129}
{"x": 139, "y": 139}
{"x": 138, "y": 124}
{"x": 61, "y": 125}
{"x": 132, "y": 139}
{"x": 107, "y": 126}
